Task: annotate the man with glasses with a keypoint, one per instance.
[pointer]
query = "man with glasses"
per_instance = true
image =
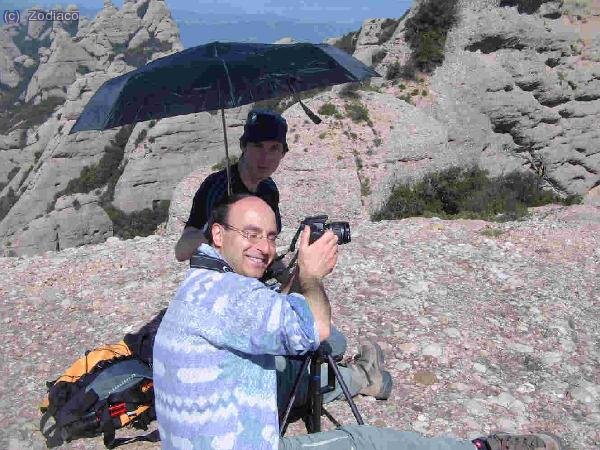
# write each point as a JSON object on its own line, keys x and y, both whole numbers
{"x": 215, "y": 382}
{"x": 264, "y": 145}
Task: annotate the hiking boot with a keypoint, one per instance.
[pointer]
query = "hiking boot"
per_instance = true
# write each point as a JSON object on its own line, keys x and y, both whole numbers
{"x": 506, "y": 441}
{"x": 368, "y": 368}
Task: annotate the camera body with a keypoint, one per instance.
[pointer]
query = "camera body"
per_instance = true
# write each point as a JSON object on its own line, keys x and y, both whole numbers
{"x": 318, "y": 225}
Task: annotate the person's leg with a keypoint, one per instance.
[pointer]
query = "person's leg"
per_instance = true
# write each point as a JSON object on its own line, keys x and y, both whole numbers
{"x": 363, "y": 375}
{"x": 366, "y": 437}
{"x": 288, "y": 368}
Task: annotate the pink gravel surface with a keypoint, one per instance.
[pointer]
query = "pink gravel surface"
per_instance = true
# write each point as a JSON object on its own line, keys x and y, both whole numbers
{"x": 485, "y": 326}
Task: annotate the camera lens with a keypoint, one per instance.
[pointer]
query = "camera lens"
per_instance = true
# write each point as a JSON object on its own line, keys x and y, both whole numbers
{"x": 341, "y": 230}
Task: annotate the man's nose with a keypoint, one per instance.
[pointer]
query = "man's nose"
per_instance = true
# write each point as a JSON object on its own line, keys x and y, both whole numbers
{"x": 263, "y": 245}
{"x": 263, "y": 157}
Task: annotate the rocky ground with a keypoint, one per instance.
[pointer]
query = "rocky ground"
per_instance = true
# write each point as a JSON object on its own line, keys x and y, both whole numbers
{"x": 485, "y": 326}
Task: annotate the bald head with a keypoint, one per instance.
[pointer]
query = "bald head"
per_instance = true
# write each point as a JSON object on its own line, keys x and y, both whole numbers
{"x": 241, "y": 232}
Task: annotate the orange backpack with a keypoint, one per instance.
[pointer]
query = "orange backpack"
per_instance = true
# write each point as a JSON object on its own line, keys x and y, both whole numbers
{"x": 107, "y": 389}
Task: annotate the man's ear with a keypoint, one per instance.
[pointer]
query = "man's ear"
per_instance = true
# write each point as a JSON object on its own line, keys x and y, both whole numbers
{"x": 217, "y": 235}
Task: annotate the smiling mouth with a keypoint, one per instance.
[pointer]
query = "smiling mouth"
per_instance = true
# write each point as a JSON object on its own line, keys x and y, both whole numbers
{"x": 256, "y": 261}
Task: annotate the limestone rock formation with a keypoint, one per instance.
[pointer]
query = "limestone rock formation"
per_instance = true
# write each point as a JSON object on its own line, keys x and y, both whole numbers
{"x": 42, "y": 160}
{"x": 518, "y": 89}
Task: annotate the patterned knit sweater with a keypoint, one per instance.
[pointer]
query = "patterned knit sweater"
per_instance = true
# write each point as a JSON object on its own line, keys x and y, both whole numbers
{"x": 214, "y": 364}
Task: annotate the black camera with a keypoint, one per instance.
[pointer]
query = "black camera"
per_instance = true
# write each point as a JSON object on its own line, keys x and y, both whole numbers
{"x": 318, "y": 226}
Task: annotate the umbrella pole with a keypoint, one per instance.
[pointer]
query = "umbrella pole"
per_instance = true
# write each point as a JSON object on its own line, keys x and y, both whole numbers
{"x": 226, "y": 152}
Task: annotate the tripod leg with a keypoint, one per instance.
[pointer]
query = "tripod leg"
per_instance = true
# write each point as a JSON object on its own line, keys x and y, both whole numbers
{"x": 313, "y": 422}
{"x": 284, "y": 420}
{"x": 344, "y": 387}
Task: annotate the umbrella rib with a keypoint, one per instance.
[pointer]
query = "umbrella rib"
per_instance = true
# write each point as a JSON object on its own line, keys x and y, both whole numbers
{"x": 233, "y": 103}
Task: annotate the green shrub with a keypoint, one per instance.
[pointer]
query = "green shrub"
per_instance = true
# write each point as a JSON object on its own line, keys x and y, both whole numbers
{"x": 367, "y": 86}
{"x": 388, "y": 27}
{"x": 426, "y": 32}
{"x": 105, "y": 172}
{"x": 139, "y": 223}
{"x": 358, "y": 161}
{"x": 140, "y": 138}
{"x": 377, "y": 142}
{"x": 407, "y": 98}
{"x": 139, "y": 56}
{"x": 523, "y": 6}
{"x": 358, "y": 112}
{"x": 365, "y": 187}
{"x": 223, "y": 163}
{"x": 491, "y": 232}
{"x": 327, "y": 109}
{"x": 76, "y": 205}
{"x": 378, "y": 56}
{"x": 468, "y": 193}
{"x": 28, "y": 115}
{"x": 322, "y": 135}
{"x": 393, "y": 71}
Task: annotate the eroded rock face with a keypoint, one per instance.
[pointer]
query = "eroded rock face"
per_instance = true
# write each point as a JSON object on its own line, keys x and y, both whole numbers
{"x": 531, "y": 73}
{"x": 519, "y": 89}
{"x": 158, "y": 157}
{"x": 73, "y": 67}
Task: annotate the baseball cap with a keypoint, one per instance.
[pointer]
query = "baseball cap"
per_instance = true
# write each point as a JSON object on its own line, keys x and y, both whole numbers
{"x": 265, "y": 125}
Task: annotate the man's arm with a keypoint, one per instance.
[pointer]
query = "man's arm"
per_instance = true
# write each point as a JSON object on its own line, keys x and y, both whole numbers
{"x": 315, "y": 295}
{"x": 190, "y": 240}
{"x": 315, "y": 262}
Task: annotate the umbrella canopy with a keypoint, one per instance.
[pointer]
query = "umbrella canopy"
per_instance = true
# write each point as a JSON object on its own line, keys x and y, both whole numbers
{"x": 217, "y": 76}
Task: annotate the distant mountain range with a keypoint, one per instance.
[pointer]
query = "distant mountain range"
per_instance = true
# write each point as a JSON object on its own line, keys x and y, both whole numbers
{"x": 198, "y": 28}
{"x": 221, "y": 24}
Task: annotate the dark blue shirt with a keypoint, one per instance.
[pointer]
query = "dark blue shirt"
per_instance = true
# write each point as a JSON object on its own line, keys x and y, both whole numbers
{"x": 214, "y": 188}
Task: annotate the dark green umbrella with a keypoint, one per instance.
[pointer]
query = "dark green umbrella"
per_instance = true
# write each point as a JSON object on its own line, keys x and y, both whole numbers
{"x": 218, "y": 76}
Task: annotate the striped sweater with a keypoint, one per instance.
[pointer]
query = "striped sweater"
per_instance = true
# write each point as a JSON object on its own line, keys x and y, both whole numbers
{"x": 214, "y": 364}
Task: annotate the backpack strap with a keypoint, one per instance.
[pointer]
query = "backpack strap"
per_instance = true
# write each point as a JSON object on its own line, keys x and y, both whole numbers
{"x": 110, "y": 441}
{"x": 202, "y": 261}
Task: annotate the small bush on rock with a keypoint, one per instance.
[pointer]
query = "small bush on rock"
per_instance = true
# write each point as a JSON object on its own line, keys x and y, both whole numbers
{"x": 139, "y": 223}
{"x": 426, "y": 32}
{"x": 470, "y": 194}
{"x": 327, "y": 109}
{"x": 358, "y": 112}
{"x": 223, "y": 163}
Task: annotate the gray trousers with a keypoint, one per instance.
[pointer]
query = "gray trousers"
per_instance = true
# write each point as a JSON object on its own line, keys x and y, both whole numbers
{"x": 288, "y": 368}
{"x": 352, "y": 437}
{"x": 365, "y": 437}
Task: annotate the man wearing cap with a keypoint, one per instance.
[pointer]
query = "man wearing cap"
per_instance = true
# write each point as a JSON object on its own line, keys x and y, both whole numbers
{"x": 263, "y": 146}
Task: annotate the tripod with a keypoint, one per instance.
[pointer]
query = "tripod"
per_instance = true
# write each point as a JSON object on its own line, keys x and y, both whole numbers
{"x": 311, "y": 412}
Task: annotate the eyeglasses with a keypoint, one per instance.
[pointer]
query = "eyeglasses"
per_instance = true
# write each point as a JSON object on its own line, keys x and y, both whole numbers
{"x": 254, "y": 237}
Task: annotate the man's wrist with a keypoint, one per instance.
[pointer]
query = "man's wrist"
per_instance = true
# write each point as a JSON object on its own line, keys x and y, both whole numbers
{"x": 310, "y": 282}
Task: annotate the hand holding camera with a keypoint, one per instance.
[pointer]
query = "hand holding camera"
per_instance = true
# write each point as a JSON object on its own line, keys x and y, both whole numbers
{"x": 316, "y": 260}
